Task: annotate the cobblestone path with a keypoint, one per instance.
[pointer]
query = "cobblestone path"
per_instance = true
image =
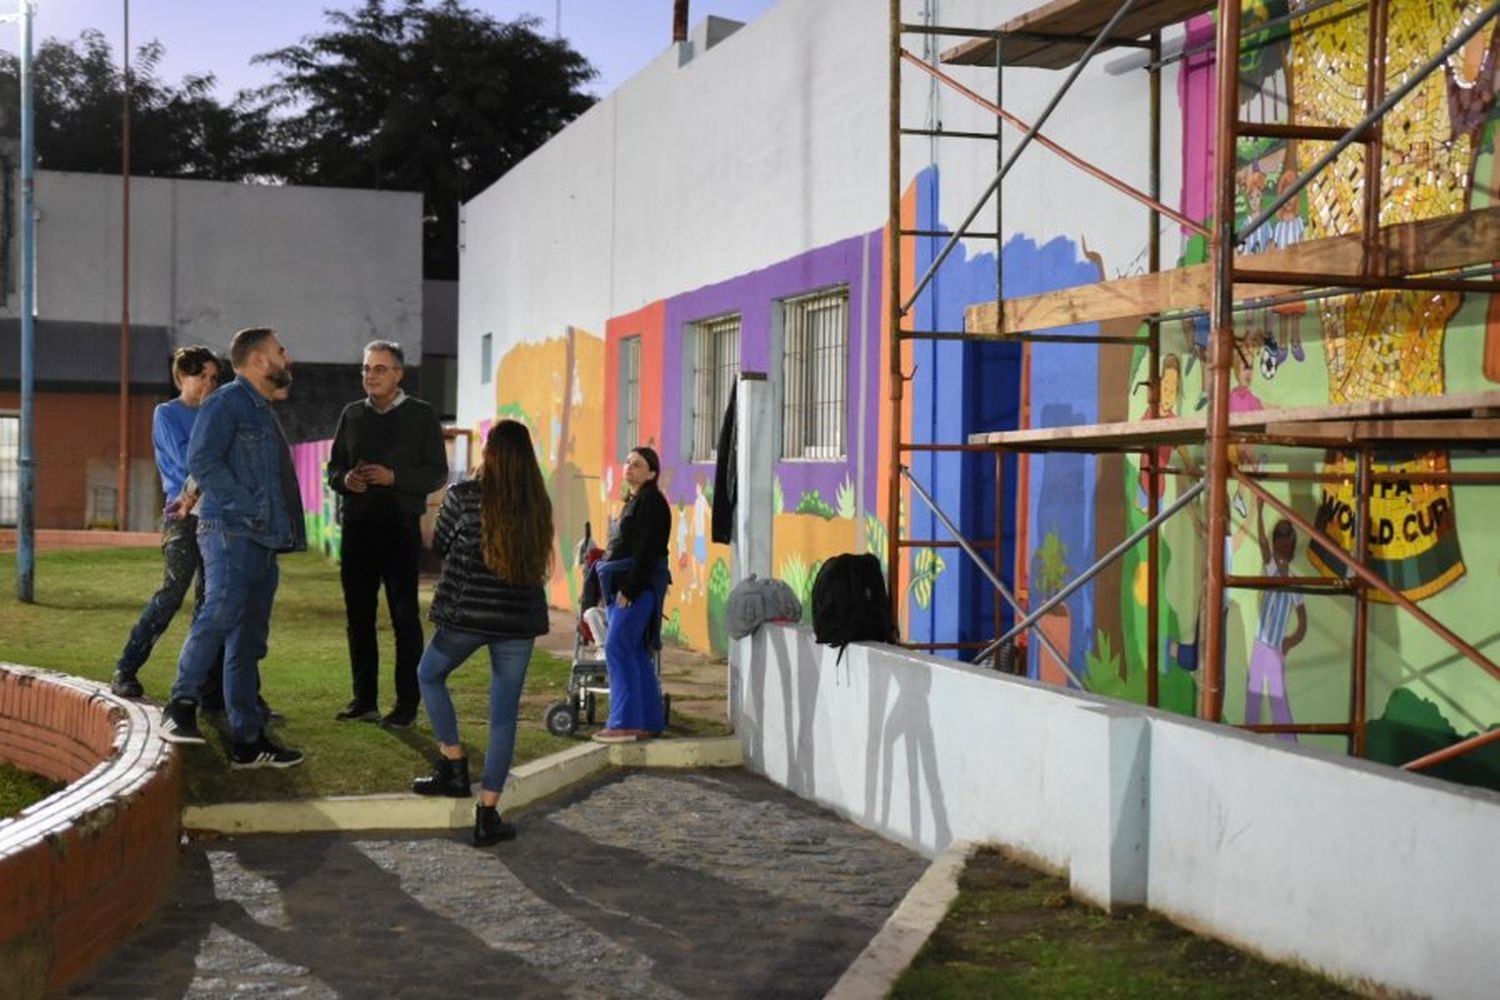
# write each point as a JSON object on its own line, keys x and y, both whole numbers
{"x": 640, "y": 885}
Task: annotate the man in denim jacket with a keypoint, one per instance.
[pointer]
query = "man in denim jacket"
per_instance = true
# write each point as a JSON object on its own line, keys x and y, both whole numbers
{"x": 251, "y": 509}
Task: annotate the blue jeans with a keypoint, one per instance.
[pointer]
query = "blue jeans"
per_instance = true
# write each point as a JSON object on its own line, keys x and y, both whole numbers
{"x": 634, "y": 692}
{"x": 509, "y": 658}
{"x": 240, "y": 578}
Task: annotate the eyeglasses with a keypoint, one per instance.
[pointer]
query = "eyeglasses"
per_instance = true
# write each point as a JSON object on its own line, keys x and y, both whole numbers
{"x": 377, "y": 369}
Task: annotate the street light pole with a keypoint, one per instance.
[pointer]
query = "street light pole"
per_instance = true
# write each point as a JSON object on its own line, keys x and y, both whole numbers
{"x": 26, "y": 515}
{"x": 122, "y": 471}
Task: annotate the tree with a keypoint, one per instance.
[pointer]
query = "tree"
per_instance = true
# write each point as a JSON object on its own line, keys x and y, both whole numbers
{"x": 440, "y": 99}
{"x": 176, "y": 131}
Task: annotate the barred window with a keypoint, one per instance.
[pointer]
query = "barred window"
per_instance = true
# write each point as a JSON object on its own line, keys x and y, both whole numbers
{"x": 716, "y": 364}
{"x": 816, "y": 335}
{"x": 629, "y": 420}
{"x": 10, "y": 468}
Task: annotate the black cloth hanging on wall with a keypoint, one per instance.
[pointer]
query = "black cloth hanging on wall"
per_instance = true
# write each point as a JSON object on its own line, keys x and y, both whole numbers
{"x": 726, "y": 474}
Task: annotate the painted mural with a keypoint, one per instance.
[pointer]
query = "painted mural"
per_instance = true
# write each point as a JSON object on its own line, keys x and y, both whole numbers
{"x": 1288, "y": 658}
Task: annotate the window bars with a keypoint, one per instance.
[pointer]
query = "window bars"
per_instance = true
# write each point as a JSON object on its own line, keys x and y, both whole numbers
{"x": 10, "y": 455}
{"x": 816, "y": 332}
{"x": 716, "y": 365}
{"x": 630, "y": 395}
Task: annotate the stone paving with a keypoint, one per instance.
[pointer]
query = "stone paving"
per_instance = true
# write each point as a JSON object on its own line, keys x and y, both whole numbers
{"x": 637, "y": 885}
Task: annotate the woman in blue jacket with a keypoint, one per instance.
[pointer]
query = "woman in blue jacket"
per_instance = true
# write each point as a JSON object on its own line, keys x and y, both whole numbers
{"x": 495, "y": 534}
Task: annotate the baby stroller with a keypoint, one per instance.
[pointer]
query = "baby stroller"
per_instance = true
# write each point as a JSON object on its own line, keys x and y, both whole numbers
{"x": 589, "y": 677}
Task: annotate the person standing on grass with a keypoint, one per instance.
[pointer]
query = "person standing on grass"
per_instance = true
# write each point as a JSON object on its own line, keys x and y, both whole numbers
{"x": 387, "y": 455}
{"x": 634, "y": 577}
{"x": 251, "y": 510}
{"x": 495, "y": 535}
{"x": 195, "y": 372}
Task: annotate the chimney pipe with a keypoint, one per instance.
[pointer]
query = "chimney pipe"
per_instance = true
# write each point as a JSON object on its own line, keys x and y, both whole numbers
{"x": 679, "y": 20}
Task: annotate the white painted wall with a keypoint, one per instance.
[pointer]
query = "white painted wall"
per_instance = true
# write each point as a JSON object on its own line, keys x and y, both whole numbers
{"x": 1360, "y": 870}
{"x": 770, "y": 144}
{"x": 330, "y": 268}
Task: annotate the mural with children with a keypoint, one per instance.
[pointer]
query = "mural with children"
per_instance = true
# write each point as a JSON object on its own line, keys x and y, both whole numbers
{"x": 1439, "y": 159}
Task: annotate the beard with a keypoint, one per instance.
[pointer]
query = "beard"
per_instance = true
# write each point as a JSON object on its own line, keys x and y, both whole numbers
{"x": 281, "y": 378}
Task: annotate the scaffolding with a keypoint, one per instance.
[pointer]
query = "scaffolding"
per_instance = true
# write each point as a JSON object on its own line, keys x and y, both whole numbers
{"x": 1451, "y": 253}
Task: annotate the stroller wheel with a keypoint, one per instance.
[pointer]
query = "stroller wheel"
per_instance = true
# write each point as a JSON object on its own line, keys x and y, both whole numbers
{"x": 561, "y": 719}
{"x": 590, "y": 707}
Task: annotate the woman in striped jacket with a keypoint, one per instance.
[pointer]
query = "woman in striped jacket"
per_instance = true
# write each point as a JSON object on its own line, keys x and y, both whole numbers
{"x": 495, "y": 534}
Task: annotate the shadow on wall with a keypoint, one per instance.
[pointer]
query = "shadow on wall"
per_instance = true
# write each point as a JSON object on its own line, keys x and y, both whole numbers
{"x": 907, "y": 720}
{"x": 800, "y": 748}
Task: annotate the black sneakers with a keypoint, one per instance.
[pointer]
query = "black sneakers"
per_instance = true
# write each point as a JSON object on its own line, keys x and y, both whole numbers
{"x": 262, "y": 753}
{"x": 400, "y": 717}
{"x": 357, "y": 711}
{"x": 125, "y": 685}
{"x": 179, "y": 722}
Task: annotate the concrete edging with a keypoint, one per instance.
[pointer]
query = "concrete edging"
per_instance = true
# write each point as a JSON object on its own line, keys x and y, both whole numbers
{"x": 528, "y": 783}
{"x": 889, "y": 953}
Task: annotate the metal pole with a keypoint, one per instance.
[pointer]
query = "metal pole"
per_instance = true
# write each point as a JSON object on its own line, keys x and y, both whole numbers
{"x": 1188, "y": 495}
{"x": 1153, "y": 398}
{"x": 994, "y": 579}
{"x": 1375, "y": 48}
{"x": 26, "y": 515}
{"x": 1359, "y": 686}
{"x": 122, "y": 469}
{"x": 1031, "y": 134}
{"x": 1221, "y": 349}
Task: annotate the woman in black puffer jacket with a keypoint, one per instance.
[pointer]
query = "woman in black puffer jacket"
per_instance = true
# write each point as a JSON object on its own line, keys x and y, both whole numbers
{"x": 633, "y": 577}
{"x": 495, "y": 533}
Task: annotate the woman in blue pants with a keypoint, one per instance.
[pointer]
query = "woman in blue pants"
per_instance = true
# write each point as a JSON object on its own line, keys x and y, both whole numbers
{"x": 638, "y": 578}
{"x": 495, "y": 534}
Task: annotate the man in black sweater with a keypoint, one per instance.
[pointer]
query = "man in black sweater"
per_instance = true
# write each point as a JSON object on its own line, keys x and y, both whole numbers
{"x": 388, "y": 454}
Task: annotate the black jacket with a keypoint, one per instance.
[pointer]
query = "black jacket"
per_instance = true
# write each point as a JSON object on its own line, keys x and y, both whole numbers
{"x": 469, "y": 596}
{"x": 408, "y": 440}
{"x": 645, "y": 525}
{"x": 726, "y": 473}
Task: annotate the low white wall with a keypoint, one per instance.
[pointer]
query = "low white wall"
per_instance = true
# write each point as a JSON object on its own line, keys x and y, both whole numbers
{"x": 1362, "y": 871}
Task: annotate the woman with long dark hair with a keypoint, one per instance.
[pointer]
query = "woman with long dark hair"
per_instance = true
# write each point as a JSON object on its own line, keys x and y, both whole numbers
{"x": 634, "y": 579}
{"x": 495, "y": 534}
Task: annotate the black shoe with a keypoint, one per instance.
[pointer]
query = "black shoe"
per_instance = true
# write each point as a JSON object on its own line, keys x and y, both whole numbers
{"x": 489, "y": 828}
{"x": 262, "y": 753}
{"x": 358, "y": 711}
{"x": 449, "y": 777}
{"x": 268, "y": 715}
{"x": 179, "y": 722}
{"x": 400, "y": 717}
{"x": 125, "y": 685}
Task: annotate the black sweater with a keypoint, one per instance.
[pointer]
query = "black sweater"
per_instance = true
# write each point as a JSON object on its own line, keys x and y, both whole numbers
{"x": 469, "y": 595}
{"x": 408, "y": 440}
{"x": 642, "y": 534}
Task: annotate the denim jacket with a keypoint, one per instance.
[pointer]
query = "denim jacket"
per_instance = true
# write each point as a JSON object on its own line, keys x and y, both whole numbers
{"x": 236, "y": 455}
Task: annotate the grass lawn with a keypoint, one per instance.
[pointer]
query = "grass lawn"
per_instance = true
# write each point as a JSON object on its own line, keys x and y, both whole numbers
{"x": 1015, "y": 932}
{"x": 87, "y": 601}
{"x": 19, "y": 789}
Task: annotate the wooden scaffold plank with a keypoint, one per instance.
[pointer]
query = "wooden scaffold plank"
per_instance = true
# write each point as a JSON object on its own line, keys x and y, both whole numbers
{"x": 1405, "y": 249}
{"x": 1072, "y": 23}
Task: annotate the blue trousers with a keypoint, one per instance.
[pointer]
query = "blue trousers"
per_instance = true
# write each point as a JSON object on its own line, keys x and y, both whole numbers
{"x": 509, "y": 658}
{"x": 240, "y": 578}
{"x": 634, "y": 691}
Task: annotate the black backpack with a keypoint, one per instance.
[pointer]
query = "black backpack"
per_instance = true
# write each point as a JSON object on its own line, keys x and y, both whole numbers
{"x": 849, "y": 602}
